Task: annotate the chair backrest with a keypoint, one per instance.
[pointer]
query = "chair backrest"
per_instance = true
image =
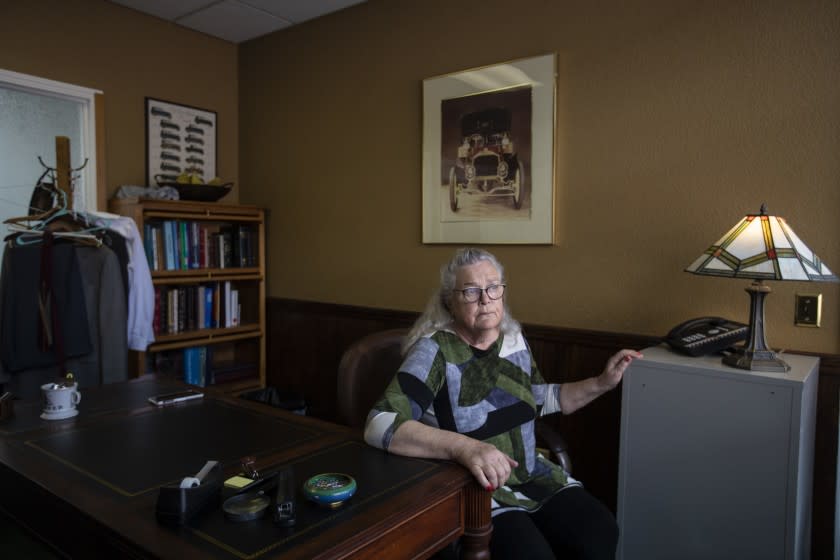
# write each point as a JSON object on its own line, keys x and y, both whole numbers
{"x": 366, "y": 368}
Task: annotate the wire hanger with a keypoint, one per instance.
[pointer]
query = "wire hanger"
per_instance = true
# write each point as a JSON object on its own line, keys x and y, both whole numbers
{"x": 49, "y": 212}
{"x": 44, "y": 193}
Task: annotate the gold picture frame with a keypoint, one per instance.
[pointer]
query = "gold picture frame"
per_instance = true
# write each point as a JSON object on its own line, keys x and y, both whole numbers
{"x": 488, "y": 154}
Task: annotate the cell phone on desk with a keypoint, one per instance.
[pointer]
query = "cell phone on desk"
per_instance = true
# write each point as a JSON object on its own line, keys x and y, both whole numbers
{"x": 176, "y": 397}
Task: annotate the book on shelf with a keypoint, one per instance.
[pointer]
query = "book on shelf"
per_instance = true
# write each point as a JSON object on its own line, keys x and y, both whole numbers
{"x": 182, "y": 310}
{"x": 183, "y": 246}
{"x": 227, "y": 305}
{"x": 242, "y": 245}
{"x": 217, "y": 306}
{"x": 175, "y": 243}
{"x": 202, "y": 365}
{"x": 201, "y": 304}
{"x": 168, "y": 246}
{"x": 250, "y": 255}
{"x": 164, "y": 310}
{"x": 192, "y": 245}
{"x": 190, "y": 312}
{"x": 234, "y": 308}
{"x": 190, "y": 374}
{"x": 159, "y": 256}
{"x": 147, "y": 244}
{"x": 226, "y": 250}
{"x": 203, "y": 261}
{"x": 172, "y": 311}
{"x": 208, "y": 307}
{"x": 156, "y": 312}
{"x": 195, "y": 365}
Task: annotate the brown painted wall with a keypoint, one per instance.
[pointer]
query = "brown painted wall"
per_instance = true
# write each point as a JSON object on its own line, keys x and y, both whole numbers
{"x": 675, "y": 118}
{"x": 129, "y": 56}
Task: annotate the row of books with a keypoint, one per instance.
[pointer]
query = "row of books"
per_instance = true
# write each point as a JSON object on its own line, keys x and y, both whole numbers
{"x": 200, "y": 368}
{"x": 187, "y": 245}
{"x": 187, "y": 308}
{"x": 206, "y": 364}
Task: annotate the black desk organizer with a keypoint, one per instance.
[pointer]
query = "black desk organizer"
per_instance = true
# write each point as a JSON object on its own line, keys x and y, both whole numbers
{"x": 176, "y": 505}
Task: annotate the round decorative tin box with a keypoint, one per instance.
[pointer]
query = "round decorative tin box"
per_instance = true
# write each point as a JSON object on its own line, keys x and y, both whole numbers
{"x": 330, "y": 489}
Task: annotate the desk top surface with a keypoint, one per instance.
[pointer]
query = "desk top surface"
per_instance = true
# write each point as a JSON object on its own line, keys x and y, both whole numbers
{"x": 112, "y": 458}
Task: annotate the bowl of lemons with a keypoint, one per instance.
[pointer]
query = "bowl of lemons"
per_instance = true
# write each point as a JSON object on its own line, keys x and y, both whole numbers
{"x": 193, "y": 187}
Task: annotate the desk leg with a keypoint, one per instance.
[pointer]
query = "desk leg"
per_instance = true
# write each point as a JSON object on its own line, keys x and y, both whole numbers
{"x": 475, "y": 544}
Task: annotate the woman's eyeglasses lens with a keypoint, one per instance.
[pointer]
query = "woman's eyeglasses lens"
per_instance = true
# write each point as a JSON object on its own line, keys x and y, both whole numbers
{"x": 472, "y": 295}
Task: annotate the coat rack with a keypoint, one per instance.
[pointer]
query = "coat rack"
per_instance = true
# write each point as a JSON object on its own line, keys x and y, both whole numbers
{"x": 52, "y": 201}
{"x": 63, "y": 171}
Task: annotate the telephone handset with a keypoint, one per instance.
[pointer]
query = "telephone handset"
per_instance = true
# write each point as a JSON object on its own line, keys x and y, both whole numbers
{"x": 706, "y": 335}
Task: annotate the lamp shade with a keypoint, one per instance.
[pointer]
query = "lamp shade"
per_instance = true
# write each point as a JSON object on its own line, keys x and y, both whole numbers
{"x": 762, "y": 247}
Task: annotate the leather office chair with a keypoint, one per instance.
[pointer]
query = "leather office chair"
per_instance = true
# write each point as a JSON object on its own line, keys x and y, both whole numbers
{"x": 367, "y": 367}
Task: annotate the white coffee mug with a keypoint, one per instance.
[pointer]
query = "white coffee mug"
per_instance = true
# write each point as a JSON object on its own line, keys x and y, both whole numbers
{"x": 60, "y": 400}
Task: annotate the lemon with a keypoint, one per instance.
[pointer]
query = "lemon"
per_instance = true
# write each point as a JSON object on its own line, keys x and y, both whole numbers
{"x": 183, "y": 178}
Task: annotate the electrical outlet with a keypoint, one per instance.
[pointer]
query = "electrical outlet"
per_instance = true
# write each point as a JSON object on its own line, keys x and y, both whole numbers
{"x": 808, "y": 311}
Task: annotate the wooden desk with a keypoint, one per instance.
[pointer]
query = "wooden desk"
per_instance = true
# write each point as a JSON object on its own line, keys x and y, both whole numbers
{"x": 89, "y": 485}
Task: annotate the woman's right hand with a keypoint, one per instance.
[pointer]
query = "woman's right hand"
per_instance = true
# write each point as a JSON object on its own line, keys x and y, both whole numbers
{"x": 490, "y": 467}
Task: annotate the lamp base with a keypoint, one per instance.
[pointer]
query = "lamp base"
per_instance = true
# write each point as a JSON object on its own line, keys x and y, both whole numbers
{"x": 762, "y": 360}
{"x": 756, "y": 355}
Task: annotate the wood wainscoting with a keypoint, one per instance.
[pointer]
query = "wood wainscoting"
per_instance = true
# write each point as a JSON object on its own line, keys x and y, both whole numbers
{"x": 306, "y": 340}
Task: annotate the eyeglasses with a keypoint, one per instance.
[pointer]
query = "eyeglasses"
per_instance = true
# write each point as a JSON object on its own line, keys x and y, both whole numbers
{"x": 472, "y": 295}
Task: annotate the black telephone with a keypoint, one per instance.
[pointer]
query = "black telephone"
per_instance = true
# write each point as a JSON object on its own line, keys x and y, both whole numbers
{"x": 706, "y": 335}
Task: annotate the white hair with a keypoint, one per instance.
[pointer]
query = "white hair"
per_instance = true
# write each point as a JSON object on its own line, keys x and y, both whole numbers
{"x": 437, "y": 315}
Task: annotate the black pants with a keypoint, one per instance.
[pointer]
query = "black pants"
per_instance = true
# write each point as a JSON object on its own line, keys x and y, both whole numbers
{"x": 571, "y": 525}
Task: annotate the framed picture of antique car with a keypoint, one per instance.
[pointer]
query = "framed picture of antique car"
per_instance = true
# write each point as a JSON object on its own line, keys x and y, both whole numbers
{"x": 488, "y": 154}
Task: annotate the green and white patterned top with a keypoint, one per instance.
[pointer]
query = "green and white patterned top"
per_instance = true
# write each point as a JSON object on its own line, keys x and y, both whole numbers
{"x": 493, "y": 395}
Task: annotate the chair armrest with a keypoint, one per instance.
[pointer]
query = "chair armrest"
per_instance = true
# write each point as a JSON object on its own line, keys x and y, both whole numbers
{"x": 556, "y": 444}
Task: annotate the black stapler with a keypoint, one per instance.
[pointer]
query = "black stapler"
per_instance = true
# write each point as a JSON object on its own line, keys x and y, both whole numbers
{"x": 284, "y": 502}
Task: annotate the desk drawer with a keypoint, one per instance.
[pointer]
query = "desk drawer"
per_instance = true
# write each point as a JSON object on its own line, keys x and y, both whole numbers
{"x": 429, "y": 530}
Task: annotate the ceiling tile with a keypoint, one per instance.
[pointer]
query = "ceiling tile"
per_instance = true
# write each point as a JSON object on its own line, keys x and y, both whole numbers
{"x": 233, "y": 21}
{"x": 301, "y": 10}
{"x": 237, "y": 20}
{"x": 166, "y": 9}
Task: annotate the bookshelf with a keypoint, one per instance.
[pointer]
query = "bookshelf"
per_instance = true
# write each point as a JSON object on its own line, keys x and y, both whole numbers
{"x": 207, "y": 262}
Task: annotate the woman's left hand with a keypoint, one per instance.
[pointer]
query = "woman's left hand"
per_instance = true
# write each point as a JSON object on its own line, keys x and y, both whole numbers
{"x": 616, "y": 365}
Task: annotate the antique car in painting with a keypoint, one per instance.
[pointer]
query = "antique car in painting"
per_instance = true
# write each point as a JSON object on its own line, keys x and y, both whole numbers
{"x": 487, "y": 163}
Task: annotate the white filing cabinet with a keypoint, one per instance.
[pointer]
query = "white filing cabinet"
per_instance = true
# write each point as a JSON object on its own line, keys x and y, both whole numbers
{"x": 716, "y": 462}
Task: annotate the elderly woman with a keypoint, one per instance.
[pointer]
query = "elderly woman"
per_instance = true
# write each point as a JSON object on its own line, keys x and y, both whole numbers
{"x": 469, "y": 391}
